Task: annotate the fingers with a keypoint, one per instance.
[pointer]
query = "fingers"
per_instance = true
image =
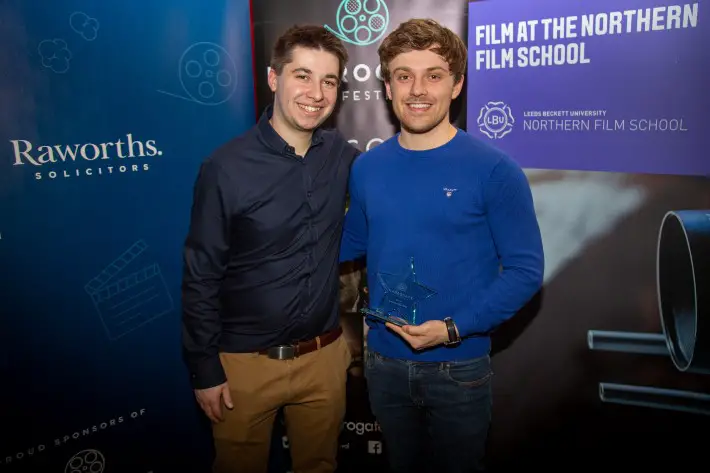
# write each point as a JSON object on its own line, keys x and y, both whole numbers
{"x": 409, "y": 330}
{"x": 217, "y": 412}
{"x": 402, "y": 332}
{"x": 212, "y": 409}
{"x": 417, "y": 336}
{"x": 416, "y": 330}
{"x": 212, "y": 401}
{"x": 227, "y": 397}
{"x": 395, "y": 328}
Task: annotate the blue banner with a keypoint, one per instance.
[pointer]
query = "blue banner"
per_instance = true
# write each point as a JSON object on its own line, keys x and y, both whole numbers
{"x": 108, "y": 109}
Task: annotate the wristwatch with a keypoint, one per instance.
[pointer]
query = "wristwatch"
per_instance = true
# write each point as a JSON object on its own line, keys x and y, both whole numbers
{"x": 454, "y": 339}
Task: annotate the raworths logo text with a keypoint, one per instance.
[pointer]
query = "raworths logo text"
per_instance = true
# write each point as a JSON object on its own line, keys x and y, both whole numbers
{"x": 53, "y": 161}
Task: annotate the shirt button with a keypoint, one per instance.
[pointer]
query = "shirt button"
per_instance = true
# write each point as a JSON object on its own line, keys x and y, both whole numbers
{"x": 309, "y": 193}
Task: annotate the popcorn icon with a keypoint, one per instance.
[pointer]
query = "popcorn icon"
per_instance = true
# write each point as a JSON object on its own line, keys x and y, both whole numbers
{"x": 128, "y": 300}
{"x": 55, "y": 55}
{"x": 84, "y": 25}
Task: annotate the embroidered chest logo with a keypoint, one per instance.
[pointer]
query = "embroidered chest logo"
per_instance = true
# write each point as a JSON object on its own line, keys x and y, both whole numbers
{"x": 449, "y": 192}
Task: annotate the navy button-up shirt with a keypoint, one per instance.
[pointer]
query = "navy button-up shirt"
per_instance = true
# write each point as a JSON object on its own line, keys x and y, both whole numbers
{"x": 261, "y": 257}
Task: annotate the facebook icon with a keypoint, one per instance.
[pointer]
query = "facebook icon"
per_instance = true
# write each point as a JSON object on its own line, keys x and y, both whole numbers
{"x": 374, "y": 447}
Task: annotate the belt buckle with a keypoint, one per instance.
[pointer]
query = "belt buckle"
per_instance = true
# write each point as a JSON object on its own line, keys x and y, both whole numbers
{"x": 282, "y": 352}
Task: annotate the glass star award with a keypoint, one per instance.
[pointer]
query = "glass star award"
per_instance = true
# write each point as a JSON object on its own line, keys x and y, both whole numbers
{"x": 400, "y": 298}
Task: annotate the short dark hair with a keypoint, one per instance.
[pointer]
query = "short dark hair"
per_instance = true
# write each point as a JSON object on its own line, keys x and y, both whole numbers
{"x": 310, "y": 37}
{"x": 420, "y": 34}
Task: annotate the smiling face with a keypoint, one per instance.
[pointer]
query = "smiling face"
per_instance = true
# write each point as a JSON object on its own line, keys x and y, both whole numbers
{"x": 421, "y": 88}
{"x": 307, "y": 88}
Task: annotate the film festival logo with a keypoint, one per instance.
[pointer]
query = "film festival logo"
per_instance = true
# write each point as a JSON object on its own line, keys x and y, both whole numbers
{"x": 359, "y": 25}
{"x": 127, "y": 299}
{"x": 495, "y": 120}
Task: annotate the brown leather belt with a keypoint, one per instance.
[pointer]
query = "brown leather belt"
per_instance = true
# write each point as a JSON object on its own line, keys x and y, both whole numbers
{"x": 289, "y": 352}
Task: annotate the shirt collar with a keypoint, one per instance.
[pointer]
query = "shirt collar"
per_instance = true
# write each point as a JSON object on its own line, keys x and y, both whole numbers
{"x": 273, "y": 139}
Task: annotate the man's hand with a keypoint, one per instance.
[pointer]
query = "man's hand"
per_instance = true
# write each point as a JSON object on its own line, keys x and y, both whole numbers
{"x": 429, "y": 334}
{"x": 211, "y": 400}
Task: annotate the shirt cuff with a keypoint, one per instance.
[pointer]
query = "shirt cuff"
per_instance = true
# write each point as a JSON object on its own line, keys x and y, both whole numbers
{"x": 209, "y": 373}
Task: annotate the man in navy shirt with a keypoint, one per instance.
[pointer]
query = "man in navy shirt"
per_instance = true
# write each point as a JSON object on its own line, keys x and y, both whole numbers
{"x": 261, "y": 275}
{"x": 463, "y": 212}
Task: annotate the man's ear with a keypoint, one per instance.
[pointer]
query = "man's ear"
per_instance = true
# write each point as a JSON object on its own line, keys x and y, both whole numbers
{"x": 388, "y": 90}
{"x": 458, "y": 87}
{"x": 273, "y": 79}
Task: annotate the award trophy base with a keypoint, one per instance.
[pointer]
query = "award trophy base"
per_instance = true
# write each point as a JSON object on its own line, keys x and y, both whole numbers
{"x": 385, "y": 317}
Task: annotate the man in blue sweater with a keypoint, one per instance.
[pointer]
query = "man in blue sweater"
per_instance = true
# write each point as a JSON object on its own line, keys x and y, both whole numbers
{"x": 463, "y": 212}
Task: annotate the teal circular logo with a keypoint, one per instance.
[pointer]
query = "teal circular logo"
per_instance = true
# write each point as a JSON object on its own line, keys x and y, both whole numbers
{"x": 361, "y": 24}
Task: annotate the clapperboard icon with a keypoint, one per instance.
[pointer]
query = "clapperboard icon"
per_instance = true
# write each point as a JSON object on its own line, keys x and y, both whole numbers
{"x": 127, "y": 300}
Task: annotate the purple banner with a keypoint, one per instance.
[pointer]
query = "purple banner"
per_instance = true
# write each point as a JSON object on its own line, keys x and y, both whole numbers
{"x": 593, "y": 85}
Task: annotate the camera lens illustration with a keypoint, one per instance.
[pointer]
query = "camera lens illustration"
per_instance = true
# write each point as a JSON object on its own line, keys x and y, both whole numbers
{"x": 361, "y": 22}
{"x": 682, "y": 279}
{"x": 207, "y": 74}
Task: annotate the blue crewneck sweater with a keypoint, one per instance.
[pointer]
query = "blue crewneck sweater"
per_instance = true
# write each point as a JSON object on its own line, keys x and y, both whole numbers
{"x": 465, "y": 213}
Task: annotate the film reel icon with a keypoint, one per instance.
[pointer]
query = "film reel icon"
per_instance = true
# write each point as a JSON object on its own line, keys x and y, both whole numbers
{"x": 86, "y": 461}
{"x": 207, "y": 74}
{"x": 360, "y": 23}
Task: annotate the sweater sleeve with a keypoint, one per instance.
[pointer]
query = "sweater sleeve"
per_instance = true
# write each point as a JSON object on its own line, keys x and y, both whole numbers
{"x": 354, "y": 240}
{"x": 516, "y": 235}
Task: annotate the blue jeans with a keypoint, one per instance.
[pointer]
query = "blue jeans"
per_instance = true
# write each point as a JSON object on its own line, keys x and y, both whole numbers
{"x": 434, "y": 416}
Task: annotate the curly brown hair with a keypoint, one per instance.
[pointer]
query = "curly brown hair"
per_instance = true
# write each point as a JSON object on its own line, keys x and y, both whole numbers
{"x": 309, "y": 37}
{"x": 419, "y": 34}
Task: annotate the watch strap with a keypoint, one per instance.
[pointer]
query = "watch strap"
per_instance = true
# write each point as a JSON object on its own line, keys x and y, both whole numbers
{"x": 451, "y": 328}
